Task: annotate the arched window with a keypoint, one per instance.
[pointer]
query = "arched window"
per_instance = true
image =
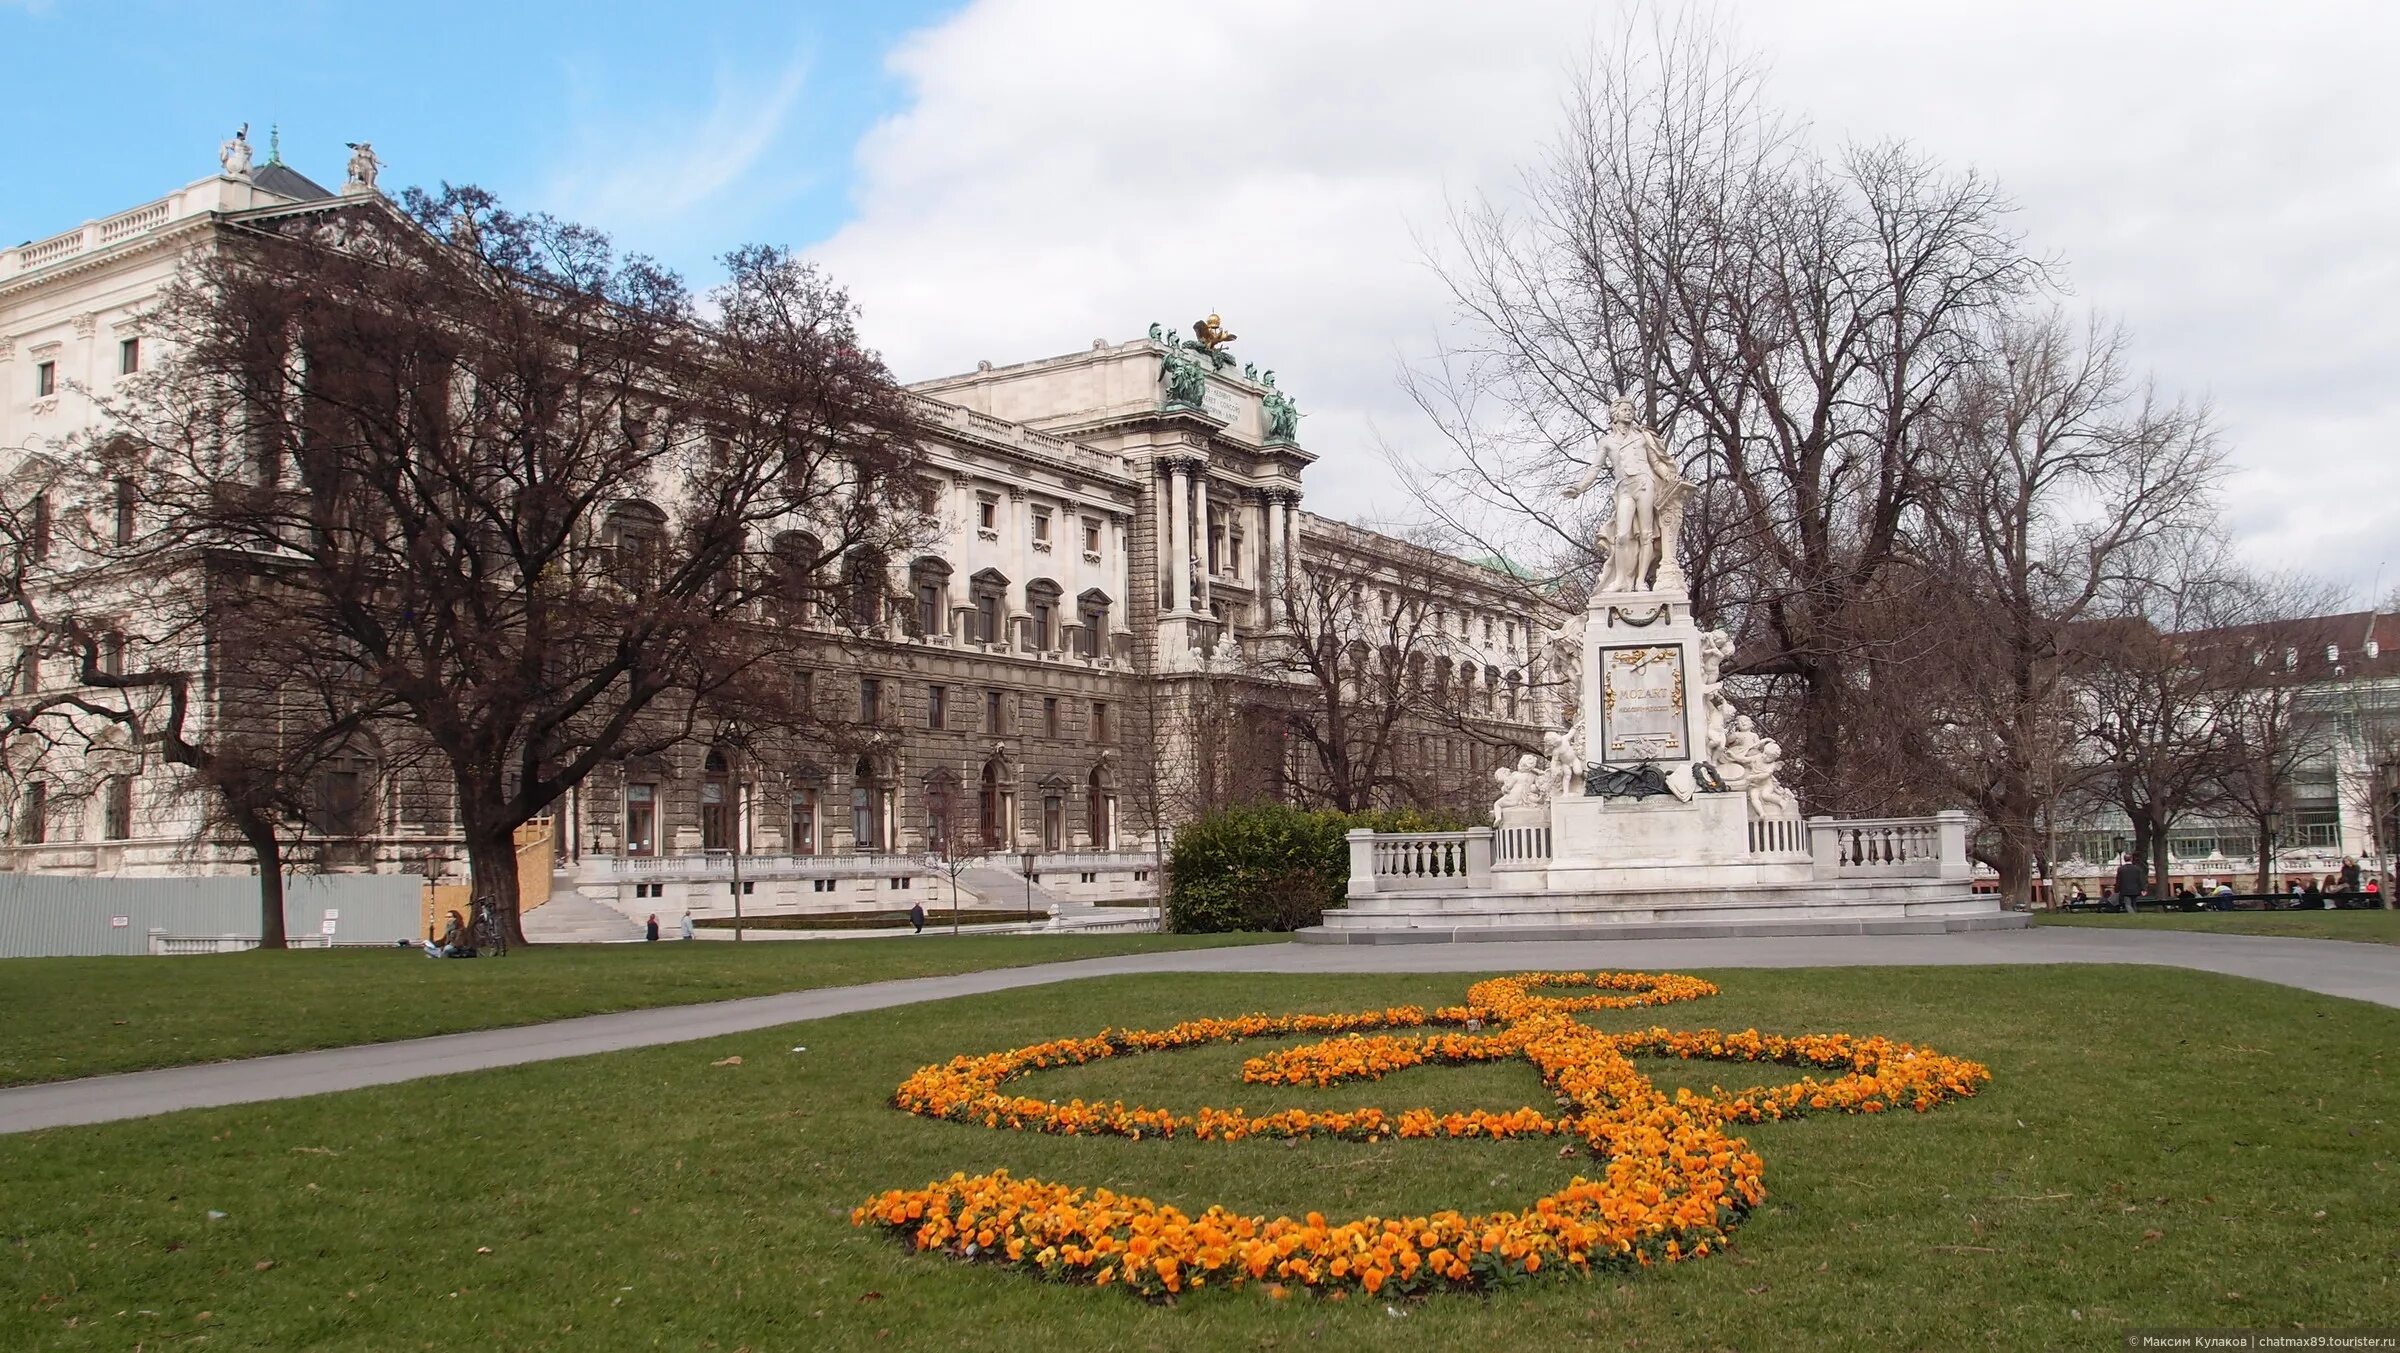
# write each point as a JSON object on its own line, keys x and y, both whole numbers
{"x": 1041, "y": 609}
{"x": 1515, "y": 682}
{"x": 866, "y": 807}
{"x": 941, "y": 822}
{"x": 1097, "y": 806}
{"x": 992, "y": 804}
{"x": 1091, "y": 613}
{"x": 808, "y": 791}
{"x": 719, "y": 810}
{"x": 635, "y": 540}
{"x": 929, "y": 596}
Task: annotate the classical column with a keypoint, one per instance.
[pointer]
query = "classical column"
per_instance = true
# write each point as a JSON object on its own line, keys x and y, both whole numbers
{"x": 1161, "y": 539}
{"x": 1270, "y": 577}
{"x": 1179, "y": 539}
{"x": 1204, "y": 527}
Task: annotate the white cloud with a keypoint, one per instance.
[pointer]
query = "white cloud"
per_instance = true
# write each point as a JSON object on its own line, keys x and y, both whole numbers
{"x": 2224, "y": 185}
{"x": 658, "y": 170}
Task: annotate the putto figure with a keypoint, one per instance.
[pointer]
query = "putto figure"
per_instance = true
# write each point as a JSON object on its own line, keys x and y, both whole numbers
{"x": 1648, "y": 514}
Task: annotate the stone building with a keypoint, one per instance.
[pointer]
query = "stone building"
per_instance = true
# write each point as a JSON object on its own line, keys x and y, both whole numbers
{"x": 1035, "y": 678}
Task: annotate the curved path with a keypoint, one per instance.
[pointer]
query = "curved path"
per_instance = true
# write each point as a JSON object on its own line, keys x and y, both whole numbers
{"x": 2367, "y": 972}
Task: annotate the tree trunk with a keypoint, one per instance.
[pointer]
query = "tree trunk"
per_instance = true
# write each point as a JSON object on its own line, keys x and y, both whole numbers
{"x": 267, "y": 849}
{"x": 2159, "y": 864}
{"x": 2266, "y": 853}
{"x": 2142, "y": 836}
{"x": 2014, "y": 863}
{"x": 492, "y": 873}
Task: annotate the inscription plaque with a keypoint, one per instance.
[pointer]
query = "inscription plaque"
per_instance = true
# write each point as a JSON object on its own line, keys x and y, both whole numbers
{"x": 1642, "y": 710}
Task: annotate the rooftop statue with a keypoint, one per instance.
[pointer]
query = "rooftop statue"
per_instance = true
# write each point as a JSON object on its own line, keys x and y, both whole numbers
{"x": 235, "y": 154}
{"x": 1648, "y": 513}
{"x": 363, "y": 167}
{"x": 1211, "y": 332}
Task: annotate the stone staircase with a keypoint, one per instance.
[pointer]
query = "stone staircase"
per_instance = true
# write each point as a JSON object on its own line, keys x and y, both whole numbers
{"x": 570, "y": 918}
{"x": 1001, "y": 890}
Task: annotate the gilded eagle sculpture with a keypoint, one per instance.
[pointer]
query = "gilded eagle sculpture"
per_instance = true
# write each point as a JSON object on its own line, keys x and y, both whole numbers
{"x": 1211, "y": 332}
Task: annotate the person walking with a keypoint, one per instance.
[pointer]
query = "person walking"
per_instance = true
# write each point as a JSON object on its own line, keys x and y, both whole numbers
{"x": 650, "y": 931}
{"x": 2132, "y": 881}
{"x": 686, "y": 927}
{"x": 916, "y": 917}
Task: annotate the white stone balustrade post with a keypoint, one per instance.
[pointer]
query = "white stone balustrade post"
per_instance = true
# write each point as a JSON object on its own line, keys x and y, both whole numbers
{"x": 1951, "y": 823}
{"x": 1362, "y": 862}
{"x": 1824, "y": 847}
{"x": 1479, "y": 857}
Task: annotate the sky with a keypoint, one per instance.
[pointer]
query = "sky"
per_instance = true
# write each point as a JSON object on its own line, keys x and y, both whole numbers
{"x": 1005, "y": 179}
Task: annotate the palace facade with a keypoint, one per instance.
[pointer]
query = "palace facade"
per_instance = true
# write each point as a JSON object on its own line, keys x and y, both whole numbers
{"x": 1118, "y": 529}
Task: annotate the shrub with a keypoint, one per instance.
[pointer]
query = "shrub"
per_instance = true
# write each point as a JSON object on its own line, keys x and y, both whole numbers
{"x": 1268, "y": 866}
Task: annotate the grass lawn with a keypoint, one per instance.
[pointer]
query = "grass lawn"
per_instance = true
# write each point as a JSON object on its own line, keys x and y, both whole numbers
{"x": 67, "y": 1017}
{"x": 2158, "y": 1148}
{"x": 2373, "y": 927}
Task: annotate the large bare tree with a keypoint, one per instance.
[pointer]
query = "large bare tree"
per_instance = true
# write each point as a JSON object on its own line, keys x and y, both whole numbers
{"x": 1794, "y": 323}
{"x": 2056, "y": 475}
{"x": 528, "y": 490}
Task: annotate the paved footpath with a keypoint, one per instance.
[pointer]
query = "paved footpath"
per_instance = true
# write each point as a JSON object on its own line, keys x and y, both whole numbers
{"x": 2367, "y": 972}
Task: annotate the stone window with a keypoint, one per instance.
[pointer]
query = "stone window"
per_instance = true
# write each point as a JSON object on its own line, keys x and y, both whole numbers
{"x": 1050, "y": 717}
{"x": 635, "y": 538}
{"x": 1091, "y": 535}
{"x": 862, "y": 574}
{"x": 116, "y": 808}
{"x": 33, "y": 813}
{"x": 995, "y": 705}
{"x": 1100, "y": 728}
{"x": 127, "y": 508}
{"x": 870, "y": 700}
{"x": 38, "y": 529}
{"x": 990, "y": 596}
{"x": 987, "y": 512}
{"x": 804, "y": 820}
{"x": 929, "y": 587}
{"x": 1091, "y": 612}
{"x": 45, "y": 379}
{"x": 641, "y": 819}
{"x": 129, "y": 356}
{"x": 1041, "y": 525}
{"x": 1041, "y": 607}
{"x": 937, "y": 699}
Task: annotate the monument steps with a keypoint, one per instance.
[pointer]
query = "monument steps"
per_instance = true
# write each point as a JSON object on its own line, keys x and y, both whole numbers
{"x": 1434, "y": 933}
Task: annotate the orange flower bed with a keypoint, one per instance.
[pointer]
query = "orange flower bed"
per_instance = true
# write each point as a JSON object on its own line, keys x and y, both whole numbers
{"x": 1672, "y": 1182}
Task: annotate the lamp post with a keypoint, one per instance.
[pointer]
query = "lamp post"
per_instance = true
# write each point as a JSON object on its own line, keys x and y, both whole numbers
{"x": 1028, "y": 854}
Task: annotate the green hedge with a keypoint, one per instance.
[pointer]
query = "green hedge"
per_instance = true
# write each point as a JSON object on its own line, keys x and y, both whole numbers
{"x": 1269, "y": 867}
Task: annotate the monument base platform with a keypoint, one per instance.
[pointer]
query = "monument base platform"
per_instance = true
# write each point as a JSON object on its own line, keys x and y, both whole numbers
{"x": 1847, "y": 907}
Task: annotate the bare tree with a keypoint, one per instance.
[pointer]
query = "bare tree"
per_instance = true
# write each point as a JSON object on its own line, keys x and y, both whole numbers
{"x": 2154, "y": 700}
{"x": 1386, "y": 705}
{"x": 1793, "y": 325}
{"x": 185, "y": 660}
{"x": 519, "y": 486}
{"x": 2276, "y": 724}
{"x": 2057, "y": 475}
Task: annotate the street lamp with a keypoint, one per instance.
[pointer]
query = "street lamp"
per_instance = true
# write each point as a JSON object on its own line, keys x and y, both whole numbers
{"x": 1028, "y": 854}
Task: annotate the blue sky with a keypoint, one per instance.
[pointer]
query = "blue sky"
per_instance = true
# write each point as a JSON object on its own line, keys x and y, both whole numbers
{"x": 682, "y": 130}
